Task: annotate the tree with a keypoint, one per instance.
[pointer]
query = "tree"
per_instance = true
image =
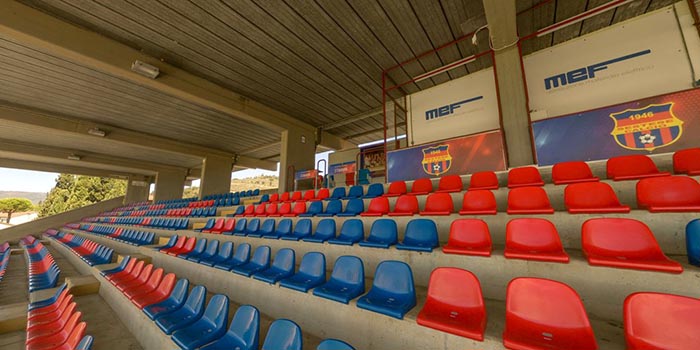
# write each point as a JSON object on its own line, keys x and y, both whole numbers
{"x": 190, "y": 192}
{"x": 72, "y": 192}
{"x": 14, "y": 205}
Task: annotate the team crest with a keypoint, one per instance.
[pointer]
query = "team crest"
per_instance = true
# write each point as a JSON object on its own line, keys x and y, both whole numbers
{"x": 647, "y": 128}
{"x": 436, "y": 160}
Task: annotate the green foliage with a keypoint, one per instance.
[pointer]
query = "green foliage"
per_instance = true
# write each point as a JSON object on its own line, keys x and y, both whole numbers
{"x": 190, "y": 192}
{"x": 72, "y": 192}
{"x": 14, "y": 205}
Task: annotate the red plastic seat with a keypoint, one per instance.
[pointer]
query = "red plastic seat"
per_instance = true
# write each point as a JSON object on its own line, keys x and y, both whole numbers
{"x": 296, "y": 196}
{"x": 58, "y": 339}
{"x": 161, "y": 293}
{"x": 454, "y": 304}
{"x": 632, "y": 168}
{"x": 228, "y": 226}
{"x": 186, "y": 248}
{"x": 421, "y": 186}
{"x": 67, "y": 306}
{"x": 322, "y": 194}
{"x": 260, "y": 209}
{"x": 534, "y": 239}
{"x": 669, "y": 194}
{"x": 377, "y": 207}
{"x": 284, "y": 197}
{"x": 572, "y": 172}
{"x": 350, "y": 179}
{"x": 469, "y": 237}
{"x": 661, "y": 321}
{"x": 275, "y": 197}
{"x": 309, "y": 195}
{"x": 450, "y": 183}
{"x": 249, "y": 210}
{"x": 592, "y": 197}
{"x": 478, "y": 202}
{"x": 405, "y": 205}
{"x": 528, "y": 200}
{"x": 396, "y": 188}
{"x": 50, "y": 328}
{"x": 687, "y": 161}
{"x": 545, "y": 314}
{"x": 299, "y": 208}
{"x": 178, "y": 245}
{"x": 271, "y": 210}
{"x": 438, "y": 204}
{"x": 140, "y": 280}
{"x": 283, "y": 209}
{"x": 624, "y": 243}
{"x": 128, "y": 271}
{"x": 218, "y": 225}
{"x": 151, "y": 284}
{"x": 525, "y": 176}
{"x": 483, "y": 180}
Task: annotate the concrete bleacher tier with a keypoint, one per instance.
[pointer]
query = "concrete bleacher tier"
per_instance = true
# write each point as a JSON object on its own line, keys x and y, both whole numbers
{"x": 581, "y": 252}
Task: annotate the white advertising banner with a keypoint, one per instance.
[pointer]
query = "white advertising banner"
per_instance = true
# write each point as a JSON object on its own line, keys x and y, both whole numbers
{"x": 459, "y": 107}
{"x": 638, "y": 58}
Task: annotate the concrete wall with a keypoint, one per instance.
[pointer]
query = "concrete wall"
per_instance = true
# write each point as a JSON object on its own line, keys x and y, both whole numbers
{"x": 39, "y": 226}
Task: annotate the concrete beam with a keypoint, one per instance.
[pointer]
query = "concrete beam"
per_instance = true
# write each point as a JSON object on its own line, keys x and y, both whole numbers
{"x": 59, "y": 168}
{"x": 53, "y": 36}
{"x": 216, "y": 176}
{"x": 170, "y": 184}
{"x": 249, "y": 162}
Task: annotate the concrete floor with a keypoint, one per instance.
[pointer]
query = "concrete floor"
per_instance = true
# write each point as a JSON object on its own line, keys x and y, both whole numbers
{"x": 14, "y": 287}
{"x": 104, "y": 325}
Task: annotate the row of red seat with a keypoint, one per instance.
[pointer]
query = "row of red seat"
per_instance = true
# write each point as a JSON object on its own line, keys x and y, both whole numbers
{"x": 143, "y": 284}
{"x": 546, "y": 314}
{"x": 54, "y": 324}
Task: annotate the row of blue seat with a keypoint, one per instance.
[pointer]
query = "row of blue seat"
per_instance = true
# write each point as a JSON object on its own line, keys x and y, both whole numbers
{"x": 248, "y": 193}
{"x": 133, "y": 237}
{"x": 88, "y": 251}
{"x": 43, "y": 270}
{"x": 159, "y": 223}
{"x": 4, "y": 258}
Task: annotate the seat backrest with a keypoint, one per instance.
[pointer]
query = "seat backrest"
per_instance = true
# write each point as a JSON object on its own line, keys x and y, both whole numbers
{"x": 450, "y": 183}
{"x": 352, "y": 229}
{"x": 379, "y": 205}
{"x": 283, "y": 335}
{"x": 655, "y": 319}
{"x": 354, "y": 206}
{"x": 686, "y": 161}
{"x": 479, "y": 200}
{"x": 692, "y": 240}
{"x": 406, "y": 204}
{"x": 195, "y": 301}
{"x": 260, "y": 209}
{"x": 242, "y": 253}
{"x": 250, "y": 209}
{"x": 284, "y": 227}
{"x": 261, "y": 256}
{"x": 179, "y": 292}
{"x": 212, "y": 247}
{"x": 253, "y": 226}
{"x": 284, "y": 197}
{"x": 309, "y": 195}
{"x": 483, "y": 180}
{"x": 673, "y": 193}
{"x": 271, "y": 209}
{"x": 334, "y": 206}
{"x": 303, "y": 227}
{"x": 199, "y": 247}
{"x": 240, "y": 225}
{"x": 567, "y": 172}
{"x": 349, "y": 269}
{"x": 619, "y": 237}
{"x": 334, "y": 344}
{"x": 338, "y": 193}
{"x": 532, "y": 234}
{"x": 383, "y": 230}
{"x": 313, "y": 264}
{"x": 323, "y": 193}
{"x": 394, "y": 277}
{"x": 374, "y": 190}
{"x": 524, "y": 176}
{"x": 314, "y": 207}
{"x": 590, "y": 195}
{"x": 274, "y": 197}
{"x": 439, "y": 202}
{"x": 528, "y": 198}
{"x": 229, "y": 225}
{"x": 423, "y": 185}
{"x": 217, "y": 311}
{"x": 421, "y": 231}
{"x": 225, "y": 250}
{"x": 631, "y": 165}
{"x": 286, "y": 207}
{"x": 267, "y": 227}
{"x": 246, "y": 325}
{"x": 296, "y": 195}
{"x": 284, "y": 259}
{"x": 325, "y": 229}
{"x": 356, "y": 191}
{"x": 545, "y": 314}
{"x": 397, "y": 188}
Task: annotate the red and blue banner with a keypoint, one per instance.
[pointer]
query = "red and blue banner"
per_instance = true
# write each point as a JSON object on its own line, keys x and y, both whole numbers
{"x": 305, "y": 174}
{"x": 458, "y": 156}
{"x": 341, "y": 168}
{"x": 658, "y": 124}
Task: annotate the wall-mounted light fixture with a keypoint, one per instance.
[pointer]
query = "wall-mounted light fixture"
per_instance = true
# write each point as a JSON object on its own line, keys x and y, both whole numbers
{"x": 145, "y": 69}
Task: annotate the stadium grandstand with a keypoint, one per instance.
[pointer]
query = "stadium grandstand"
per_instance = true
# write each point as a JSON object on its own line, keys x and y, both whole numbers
{"x": 519, "y": 174}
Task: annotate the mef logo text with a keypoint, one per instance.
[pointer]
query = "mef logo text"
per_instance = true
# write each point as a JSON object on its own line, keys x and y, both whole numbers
{"x": 585, "y": 73}
{"x": 448, "y": 109}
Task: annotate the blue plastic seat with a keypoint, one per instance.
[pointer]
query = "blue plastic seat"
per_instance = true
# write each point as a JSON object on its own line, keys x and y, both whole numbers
{"x": 325, "y": 230}
{"x": 314, "y": 209}
{"x": 189, "y": 313}
{"x": 374, "y": 190}
{"x": 208, "y": 253}
{"x": 224, "y": 254}
{"x": 351, "y": 232}
{"x": 347, "y": 280}
{"x": 333, "y": 207}
{"x": 119, "y": 268}
{"x": 50, "y": 300}
{"x": 251, "y": 229}
{"x": 392, "y": 292}
{"x": 240, "y": 228}
{"x": 208, "y": 226}
{"x": 198, "y": 249}
{"x": 301, "y": 230}
{"x": 239, "y": 211}
{"x": 283, "y": 335}
{"x": 353, "y": 207}
{"x": 259, "y": 262}
{"x": 334, "y": 344}
{"x": 421, "y": 235}
{"x": 210, "y": 327}
{"x": 312, "y": 273}
{"x": 243, "y": 333}
{"x": 85, "y": 343}
{"x": 338, "y": 193}
{"x": 355, "y": 192}
{"x": 284, "y": 228}
{"x": 171, "y": 242}
{"x": 267, "y": 228}
{"x": 174, "y": 301}
{"x": 282, "y": 267}
{"x": 383, "y": 234}
{"x": 692, "y": 238}
{"x": 240, "y": 257}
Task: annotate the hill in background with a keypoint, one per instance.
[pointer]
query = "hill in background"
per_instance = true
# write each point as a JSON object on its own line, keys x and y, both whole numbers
{"x": 263, "y": 182}
{"x": 34, "y": 197}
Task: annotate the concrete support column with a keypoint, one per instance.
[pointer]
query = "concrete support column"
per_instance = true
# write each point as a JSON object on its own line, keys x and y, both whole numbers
{"x": 297, "y": 149}
{"x": 137, "y": 189}
{"x": 170, "y": 184}
{"x": 216, "y": 175}
{"x": 501, "y": 18}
